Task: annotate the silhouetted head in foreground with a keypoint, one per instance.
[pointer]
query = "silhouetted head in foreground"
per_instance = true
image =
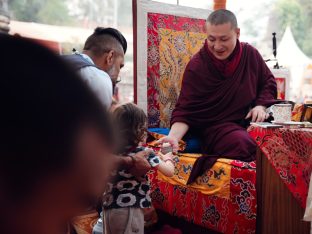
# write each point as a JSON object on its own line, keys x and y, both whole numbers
{"x": 55, "y": 140}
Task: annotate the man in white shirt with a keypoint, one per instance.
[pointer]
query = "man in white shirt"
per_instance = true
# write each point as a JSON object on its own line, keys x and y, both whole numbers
{"x": 99, "y": 81}
{"x": 99, "y": 65}
{"x": 100, "y": 62}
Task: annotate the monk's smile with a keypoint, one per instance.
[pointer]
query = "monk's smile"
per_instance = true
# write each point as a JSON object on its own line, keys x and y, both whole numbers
{"x": 220, "y": 52}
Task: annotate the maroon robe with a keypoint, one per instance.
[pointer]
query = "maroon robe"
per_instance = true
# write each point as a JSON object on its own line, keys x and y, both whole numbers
{"x": 215, "y": 100}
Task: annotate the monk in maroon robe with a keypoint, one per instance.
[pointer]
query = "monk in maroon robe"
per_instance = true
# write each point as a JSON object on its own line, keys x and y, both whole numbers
{"x": 224, "y": 84}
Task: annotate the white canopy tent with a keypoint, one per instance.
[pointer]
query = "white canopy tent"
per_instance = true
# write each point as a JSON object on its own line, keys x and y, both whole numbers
{"x": 290, "y": 56}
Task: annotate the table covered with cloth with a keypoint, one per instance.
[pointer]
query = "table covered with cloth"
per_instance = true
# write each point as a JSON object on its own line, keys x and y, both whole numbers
{"x": 223, "y": 199}
{"x": 290, "y": 153}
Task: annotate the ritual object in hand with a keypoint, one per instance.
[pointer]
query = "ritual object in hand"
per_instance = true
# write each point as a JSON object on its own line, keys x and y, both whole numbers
{"x": 166, "y": 148}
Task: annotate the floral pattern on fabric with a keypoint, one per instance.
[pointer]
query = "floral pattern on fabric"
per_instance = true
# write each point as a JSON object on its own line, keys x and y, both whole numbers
{"x": 84, "y": 223}
{"x": 172, "y": 41}
{"x": 125, "y": 190}
{"x": 290, "y": 153}
{"x": 215, "y": 181}
{"x": 227, "y": 210}
{"x": 281, "y": 87}
{"x": 222, "y": 199}
{"x": 297, "y": 112}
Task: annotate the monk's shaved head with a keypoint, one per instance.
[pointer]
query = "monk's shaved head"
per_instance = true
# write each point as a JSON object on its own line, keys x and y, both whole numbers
{"x": 222, "y": 16}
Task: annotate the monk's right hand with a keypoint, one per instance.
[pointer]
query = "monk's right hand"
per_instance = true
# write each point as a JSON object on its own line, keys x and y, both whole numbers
{"x": 171, "y": 140}
{"x": 257, "y": 114}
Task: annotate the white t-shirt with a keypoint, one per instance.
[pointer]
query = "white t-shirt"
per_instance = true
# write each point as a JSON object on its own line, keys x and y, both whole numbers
{"x": 99, "y": 82}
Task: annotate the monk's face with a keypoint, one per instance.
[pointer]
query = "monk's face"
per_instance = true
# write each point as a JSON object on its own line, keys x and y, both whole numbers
{"x": 222, "y": 39}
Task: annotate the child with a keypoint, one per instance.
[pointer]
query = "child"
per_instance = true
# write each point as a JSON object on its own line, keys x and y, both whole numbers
{"x": 127, "y": 195}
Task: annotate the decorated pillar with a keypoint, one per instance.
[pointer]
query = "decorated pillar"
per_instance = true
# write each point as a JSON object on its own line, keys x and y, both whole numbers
{"x": 4, "y": 17}
{"x": 219, "y": 4}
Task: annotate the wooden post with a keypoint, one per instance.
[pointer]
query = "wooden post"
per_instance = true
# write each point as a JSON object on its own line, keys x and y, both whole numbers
{"x": 135, "y": 30}
{"x": 219, "y": 4}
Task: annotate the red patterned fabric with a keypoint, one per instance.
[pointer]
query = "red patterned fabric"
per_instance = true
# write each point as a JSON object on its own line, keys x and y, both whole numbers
{"x": 290, "y": 153}
{"x": 182, "y": 45}
{"x": 234, "y": 215}
{"x": 281, "y": 87}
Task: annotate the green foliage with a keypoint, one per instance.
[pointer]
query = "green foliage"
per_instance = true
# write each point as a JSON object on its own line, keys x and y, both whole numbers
{"x": 40, "y": 11}
{"x": 54, "y": 12}
{"x": 57, "y": 12}
{"x": 25, "y": 10}
{"x": 307, "y": 10}
{"x": 298, "y": 15}
{"x": 307, "y": 43}
{"x": 95, "y": 10}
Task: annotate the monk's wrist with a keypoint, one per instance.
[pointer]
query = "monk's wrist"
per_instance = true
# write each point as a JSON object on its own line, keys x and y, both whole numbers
{"x": 175, "y": 138}
{"x": 260, "y": 106}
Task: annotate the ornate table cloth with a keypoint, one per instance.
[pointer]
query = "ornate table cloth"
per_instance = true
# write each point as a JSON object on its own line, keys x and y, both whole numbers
{"x": 290, "y": 153}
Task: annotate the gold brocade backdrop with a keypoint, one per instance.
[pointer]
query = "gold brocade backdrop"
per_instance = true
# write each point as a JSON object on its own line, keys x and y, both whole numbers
{"x": 176, "y": 49}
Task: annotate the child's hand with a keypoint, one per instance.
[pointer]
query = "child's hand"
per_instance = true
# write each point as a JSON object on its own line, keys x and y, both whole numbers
{"x": 167, "y": 156}
{"x": 167, "y": 165}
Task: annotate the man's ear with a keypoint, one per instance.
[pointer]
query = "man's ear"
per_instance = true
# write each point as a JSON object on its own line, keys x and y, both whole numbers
{"x": 238, "y": 32}
{"x": 110, "y": 57}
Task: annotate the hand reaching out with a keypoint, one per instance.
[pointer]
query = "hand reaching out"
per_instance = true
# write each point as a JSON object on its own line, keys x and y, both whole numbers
{"x": 257, "y": 114}
{"x": 171, "y": 140}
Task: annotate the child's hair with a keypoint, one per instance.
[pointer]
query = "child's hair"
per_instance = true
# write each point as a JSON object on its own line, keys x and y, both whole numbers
{"x": 130, "y": 122}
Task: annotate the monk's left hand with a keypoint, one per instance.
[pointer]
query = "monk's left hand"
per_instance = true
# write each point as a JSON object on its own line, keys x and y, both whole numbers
{"x": 257, "y": 114}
